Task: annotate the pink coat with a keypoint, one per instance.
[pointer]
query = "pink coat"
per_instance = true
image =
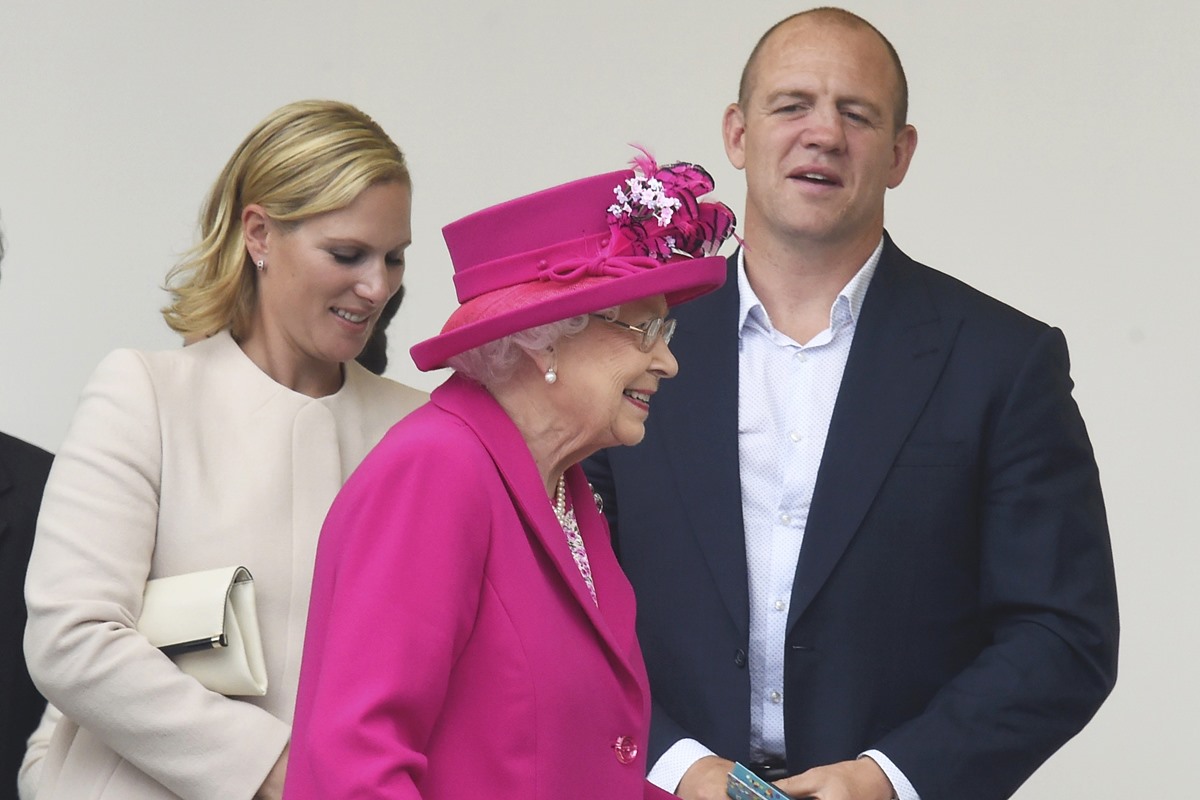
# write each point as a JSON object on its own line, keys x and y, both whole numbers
{"x": 453, "y": 649}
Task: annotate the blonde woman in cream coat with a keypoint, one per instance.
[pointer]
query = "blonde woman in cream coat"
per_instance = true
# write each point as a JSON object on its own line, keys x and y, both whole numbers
{"x": 227, "y": 451}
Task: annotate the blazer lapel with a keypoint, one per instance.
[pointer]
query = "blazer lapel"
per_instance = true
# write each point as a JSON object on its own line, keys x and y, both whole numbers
{"x": 900, "y": 347}
{"x": 700, "y": 442}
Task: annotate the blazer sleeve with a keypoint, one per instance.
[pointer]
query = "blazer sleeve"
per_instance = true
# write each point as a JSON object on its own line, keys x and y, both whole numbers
{"x": 399, "y": 576}
{"x": 88, "y": 570}
{"x": 1046, "y": 585}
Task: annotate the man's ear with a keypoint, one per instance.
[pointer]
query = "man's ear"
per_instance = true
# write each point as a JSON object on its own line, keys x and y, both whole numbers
{"x": 733, "y": 131}
{"x": 902, "y": 154}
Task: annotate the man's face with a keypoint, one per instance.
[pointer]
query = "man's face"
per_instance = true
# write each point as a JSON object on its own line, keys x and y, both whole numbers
{"x": 817, "y": 136}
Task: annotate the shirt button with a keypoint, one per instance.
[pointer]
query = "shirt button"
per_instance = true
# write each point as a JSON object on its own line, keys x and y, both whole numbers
{"x": 780, "y": 605}
{"x": 785, "y": 519}
{"x": 795, "y": 437}
{"x": 776, "y": 698}
{"x": 625, "y": 749}
{"x": 801, "y": 357}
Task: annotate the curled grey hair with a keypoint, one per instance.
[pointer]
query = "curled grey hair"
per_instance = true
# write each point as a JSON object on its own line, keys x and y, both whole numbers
{"x": 494, "y": 363}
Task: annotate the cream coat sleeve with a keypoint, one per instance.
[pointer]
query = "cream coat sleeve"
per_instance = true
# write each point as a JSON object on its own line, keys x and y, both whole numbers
{"x": 35, "y": 753}
{"x": 91, "y": 558}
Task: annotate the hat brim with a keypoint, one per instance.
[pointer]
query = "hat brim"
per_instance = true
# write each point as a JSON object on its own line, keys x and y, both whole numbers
{"x": 679, "y": 281}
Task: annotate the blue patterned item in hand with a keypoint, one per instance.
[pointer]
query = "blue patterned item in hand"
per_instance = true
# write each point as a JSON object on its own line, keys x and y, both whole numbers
{"x": 745, "y": 785}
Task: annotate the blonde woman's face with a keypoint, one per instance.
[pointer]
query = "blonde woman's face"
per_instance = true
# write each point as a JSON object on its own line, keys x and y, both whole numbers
{"x": 326, "y": 281}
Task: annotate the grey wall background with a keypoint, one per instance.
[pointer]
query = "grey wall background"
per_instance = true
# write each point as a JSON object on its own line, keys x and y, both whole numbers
{"x": 1056, "y": 170}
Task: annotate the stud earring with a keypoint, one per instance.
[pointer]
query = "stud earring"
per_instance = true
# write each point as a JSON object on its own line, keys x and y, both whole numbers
{"x": 260, "y": 264}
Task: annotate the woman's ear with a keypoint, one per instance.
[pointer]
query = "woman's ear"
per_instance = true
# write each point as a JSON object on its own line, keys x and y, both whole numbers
{"x": 256, "y": 229}
{"x": 546, "y": 361}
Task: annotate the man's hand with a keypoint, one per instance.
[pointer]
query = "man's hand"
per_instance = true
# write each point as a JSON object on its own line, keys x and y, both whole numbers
{"x": 706, "y": 779}
{"x": 861, "y": 779}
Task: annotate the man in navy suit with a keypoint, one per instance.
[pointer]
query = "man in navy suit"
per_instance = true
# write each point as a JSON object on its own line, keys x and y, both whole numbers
{"x": 865, "y": 526}
{"x": 23, "y": 470}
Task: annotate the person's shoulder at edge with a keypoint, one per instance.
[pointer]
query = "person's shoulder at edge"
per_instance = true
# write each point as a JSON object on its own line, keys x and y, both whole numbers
{"x": 974, "y": 305}
{"x": 163, "y": 361}
{"x": 12, "y": 449}
{"x": 211, "y": 352}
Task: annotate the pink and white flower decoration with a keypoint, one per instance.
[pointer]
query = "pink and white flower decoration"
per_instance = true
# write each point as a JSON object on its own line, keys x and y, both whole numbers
{"x": 658, "y": 212}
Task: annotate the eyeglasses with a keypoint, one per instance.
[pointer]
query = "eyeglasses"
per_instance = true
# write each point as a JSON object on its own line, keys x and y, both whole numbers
{"x": 652, "y": 331}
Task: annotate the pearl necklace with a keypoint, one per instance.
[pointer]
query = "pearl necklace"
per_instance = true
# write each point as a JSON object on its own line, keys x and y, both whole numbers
{"x": 570, "y": 526}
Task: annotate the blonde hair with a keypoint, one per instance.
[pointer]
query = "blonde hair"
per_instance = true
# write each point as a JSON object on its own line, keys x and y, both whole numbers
{"x": 304, "y": 159}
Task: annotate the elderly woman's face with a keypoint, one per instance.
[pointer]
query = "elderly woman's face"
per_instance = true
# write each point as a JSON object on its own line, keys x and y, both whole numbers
{"x": 605, "y": 382}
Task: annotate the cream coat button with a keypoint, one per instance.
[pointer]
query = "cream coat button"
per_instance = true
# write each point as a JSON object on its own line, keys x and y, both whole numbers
{"x": 626, "y": 749}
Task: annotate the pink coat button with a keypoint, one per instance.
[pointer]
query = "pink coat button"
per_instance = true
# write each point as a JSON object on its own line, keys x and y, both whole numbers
{"x": 626, "y": 749}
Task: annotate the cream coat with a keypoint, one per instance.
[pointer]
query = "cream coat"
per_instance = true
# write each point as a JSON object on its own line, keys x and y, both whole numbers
{"x": 179, "y": 461}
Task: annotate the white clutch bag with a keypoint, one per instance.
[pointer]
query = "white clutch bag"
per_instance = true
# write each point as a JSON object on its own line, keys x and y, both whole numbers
{"x": 207, "y": 623}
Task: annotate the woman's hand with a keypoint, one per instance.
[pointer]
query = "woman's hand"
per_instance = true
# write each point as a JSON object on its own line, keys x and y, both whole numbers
{"x": 272, "y": 788}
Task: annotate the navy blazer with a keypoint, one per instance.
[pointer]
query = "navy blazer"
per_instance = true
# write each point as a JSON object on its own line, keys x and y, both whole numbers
{"x": 954, "y": 603}
{"x": 23, "y": 470}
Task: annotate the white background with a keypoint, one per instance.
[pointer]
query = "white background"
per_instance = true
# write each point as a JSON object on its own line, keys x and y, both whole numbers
{"x": 1057, "y": 170}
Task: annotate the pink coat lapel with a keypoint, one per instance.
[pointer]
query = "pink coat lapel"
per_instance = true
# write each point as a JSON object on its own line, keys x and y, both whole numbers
{"x": 615, "y": 618}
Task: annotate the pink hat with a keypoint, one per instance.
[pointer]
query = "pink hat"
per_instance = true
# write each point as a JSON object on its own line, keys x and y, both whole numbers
{"x": 581, "y": 247}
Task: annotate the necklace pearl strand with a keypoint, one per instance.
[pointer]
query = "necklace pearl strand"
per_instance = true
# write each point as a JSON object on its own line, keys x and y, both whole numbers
{"x": 570, "y": 526}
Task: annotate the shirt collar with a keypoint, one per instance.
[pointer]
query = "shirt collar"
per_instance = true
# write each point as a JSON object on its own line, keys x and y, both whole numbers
{"x": 846, "y": 305}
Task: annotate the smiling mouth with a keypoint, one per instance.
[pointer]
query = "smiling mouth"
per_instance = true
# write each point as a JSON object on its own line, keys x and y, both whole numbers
{"x": 349, "y": 317}
{"x": 641, "y": 397}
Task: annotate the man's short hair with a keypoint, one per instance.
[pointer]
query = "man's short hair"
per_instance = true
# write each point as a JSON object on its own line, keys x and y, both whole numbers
{"x": 837, "y": 16}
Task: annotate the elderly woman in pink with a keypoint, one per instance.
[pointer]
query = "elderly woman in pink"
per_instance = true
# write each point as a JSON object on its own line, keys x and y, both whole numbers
{"x": 470, "y": 632}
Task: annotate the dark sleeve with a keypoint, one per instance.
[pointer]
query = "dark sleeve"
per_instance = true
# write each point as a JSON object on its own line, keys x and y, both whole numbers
{"x": 1047, "y": 589}
{"x": 23, "y": 471}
